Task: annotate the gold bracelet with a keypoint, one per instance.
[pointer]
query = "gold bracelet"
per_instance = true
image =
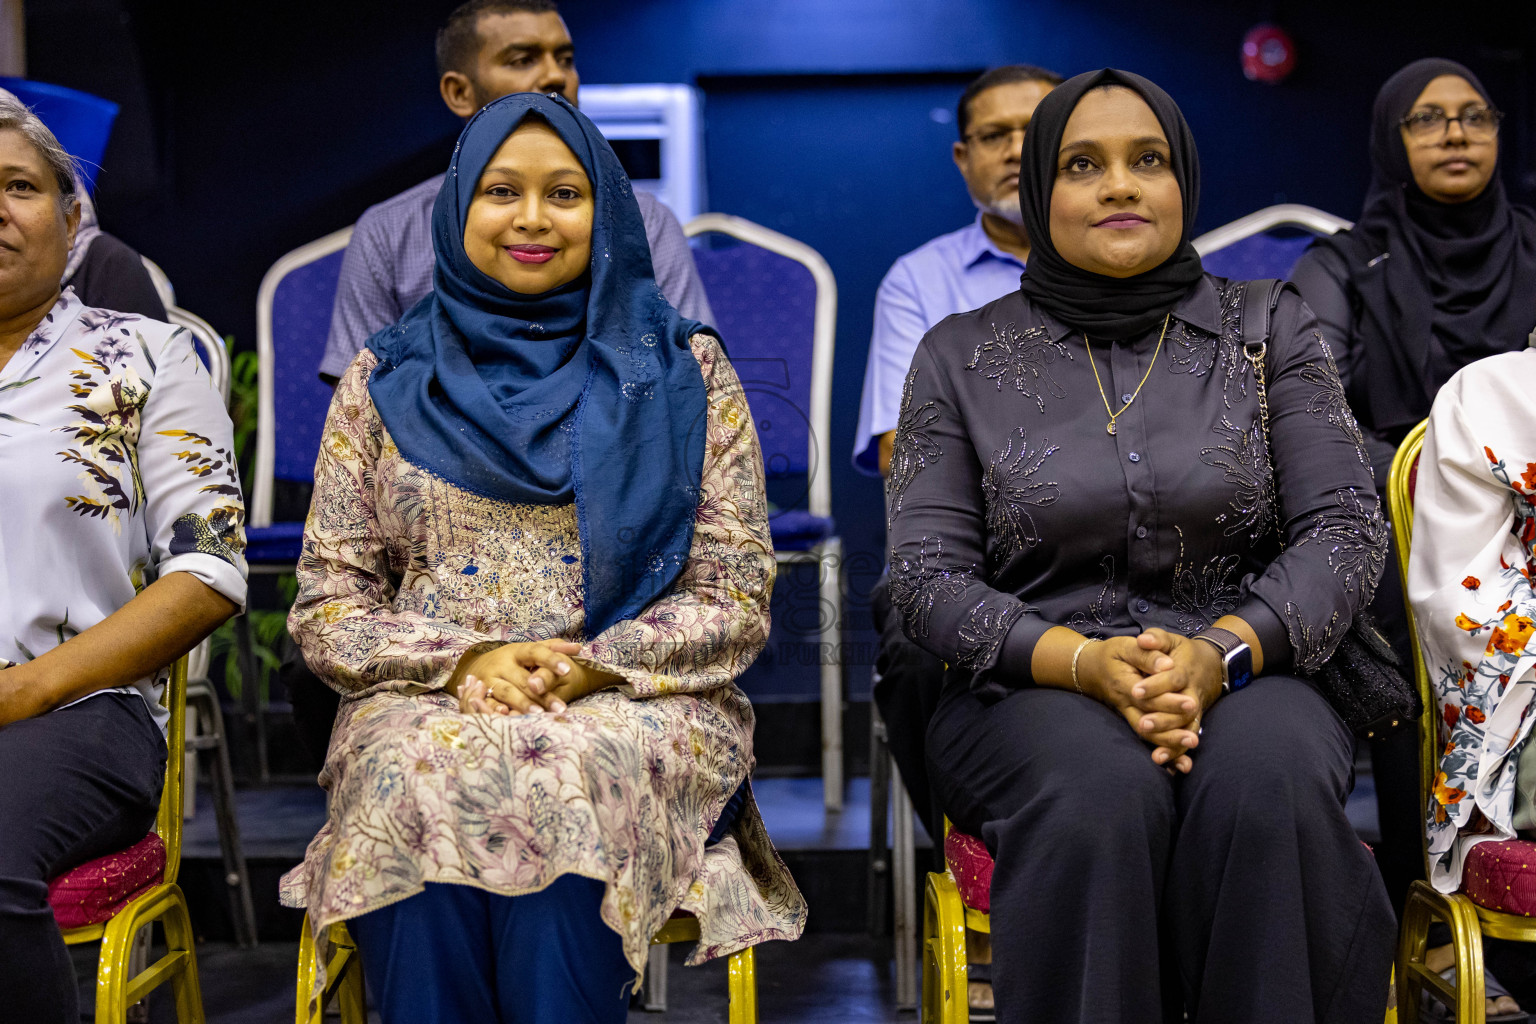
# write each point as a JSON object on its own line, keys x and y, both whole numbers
{"x": 1075, "y": 655}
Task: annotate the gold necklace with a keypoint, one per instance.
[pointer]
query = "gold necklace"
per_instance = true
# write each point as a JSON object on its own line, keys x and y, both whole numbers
{"x": 1109, "y": 427}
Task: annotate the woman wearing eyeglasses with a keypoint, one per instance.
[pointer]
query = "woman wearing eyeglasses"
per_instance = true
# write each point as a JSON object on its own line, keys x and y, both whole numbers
{"x": 1438, "y": 272}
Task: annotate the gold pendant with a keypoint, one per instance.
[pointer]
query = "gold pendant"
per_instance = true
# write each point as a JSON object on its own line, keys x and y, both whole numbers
{"x": 1109, "y": 428}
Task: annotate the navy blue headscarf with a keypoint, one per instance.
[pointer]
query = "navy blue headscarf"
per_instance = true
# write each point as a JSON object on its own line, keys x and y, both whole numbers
{"x": 588, "y": 392}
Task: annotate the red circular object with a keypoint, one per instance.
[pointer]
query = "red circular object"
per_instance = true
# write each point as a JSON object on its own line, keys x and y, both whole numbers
{"x": 1269, "y": 54}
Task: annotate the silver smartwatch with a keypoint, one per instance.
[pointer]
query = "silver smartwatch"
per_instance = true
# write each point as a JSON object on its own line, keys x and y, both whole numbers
{"x": 1236, "y": 657}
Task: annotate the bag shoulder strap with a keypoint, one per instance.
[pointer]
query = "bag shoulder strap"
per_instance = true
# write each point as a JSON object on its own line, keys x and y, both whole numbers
{"x": 1254, "y": 314}
{"x": 1256, "y": 310}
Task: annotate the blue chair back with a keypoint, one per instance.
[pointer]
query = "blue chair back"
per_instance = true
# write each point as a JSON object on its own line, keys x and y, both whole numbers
{"x": 301, "y": 319}
{"x": 293, "y": 318}
{"x": 1266, "y": 243}
{"x": 1268, "y": 254}
{"x": 765, "y": 310}
{"x": 81, "y": 122}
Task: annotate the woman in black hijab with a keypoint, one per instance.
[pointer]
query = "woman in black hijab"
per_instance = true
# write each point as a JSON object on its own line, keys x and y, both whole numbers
{"x": 1439, "y": 271}
{"x": 1084, "y": 527}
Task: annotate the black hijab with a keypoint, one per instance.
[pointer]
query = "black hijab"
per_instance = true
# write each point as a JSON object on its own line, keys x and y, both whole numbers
{"x": 1106, "y": 307}
{"x": 1440, "y": 284}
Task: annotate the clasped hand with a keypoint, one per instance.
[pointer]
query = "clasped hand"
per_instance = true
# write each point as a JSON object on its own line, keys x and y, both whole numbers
{"x": 524, "y": 679}
{"x": 1161, "y": 682}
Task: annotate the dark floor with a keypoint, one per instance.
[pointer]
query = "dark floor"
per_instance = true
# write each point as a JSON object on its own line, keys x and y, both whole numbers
{"x": 827, "y": 978}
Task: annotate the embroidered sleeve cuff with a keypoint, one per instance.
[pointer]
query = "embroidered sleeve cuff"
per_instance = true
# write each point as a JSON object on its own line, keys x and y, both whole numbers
{"x": 1271, "y": 632}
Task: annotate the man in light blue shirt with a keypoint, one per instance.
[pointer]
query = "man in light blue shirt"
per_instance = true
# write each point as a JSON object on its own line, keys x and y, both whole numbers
{"x": 964, "y": 269}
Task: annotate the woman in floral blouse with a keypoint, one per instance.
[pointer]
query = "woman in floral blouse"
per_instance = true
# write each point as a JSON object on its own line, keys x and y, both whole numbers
{"x": 120, "y": 549}
{"x": 536, "y": 560}
{"x": 1469, "y": 583}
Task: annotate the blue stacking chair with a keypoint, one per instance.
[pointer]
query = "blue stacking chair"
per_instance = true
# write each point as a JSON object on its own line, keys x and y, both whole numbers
{"x": 775, "y": 303}
{"x": 293, "y": 317}
{"x": 1266, "y": 243}
{"x": 81, "y": 122}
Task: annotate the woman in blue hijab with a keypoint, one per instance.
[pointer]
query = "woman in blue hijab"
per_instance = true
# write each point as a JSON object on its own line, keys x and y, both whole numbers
{"x": 537, "y": 559}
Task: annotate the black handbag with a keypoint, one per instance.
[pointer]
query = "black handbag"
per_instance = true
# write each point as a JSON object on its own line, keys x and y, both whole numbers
{"x": 1363, "y": 679}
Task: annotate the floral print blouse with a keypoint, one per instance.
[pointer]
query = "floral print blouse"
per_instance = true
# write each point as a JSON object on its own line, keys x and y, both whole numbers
{"x": 115, "y": 469}
{"x": 1015, "y": 509}
{"x": 1470, "y": 587}
{"x": 402, "y": 572}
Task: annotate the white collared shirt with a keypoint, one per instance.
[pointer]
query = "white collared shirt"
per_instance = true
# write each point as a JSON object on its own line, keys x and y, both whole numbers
{"x": 116, "y": 468}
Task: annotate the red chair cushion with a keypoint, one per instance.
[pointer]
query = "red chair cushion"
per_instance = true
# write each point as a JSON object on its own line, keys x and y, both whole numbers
{"x": 98, "y": 889}
{"x": 971, "y": 865}
{"x": 1502, "y": 876}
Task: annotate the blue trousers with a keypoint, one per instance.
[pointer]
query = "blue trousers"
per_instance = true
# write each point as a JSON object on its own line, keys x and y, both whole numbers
{"x": 453, "y": 953}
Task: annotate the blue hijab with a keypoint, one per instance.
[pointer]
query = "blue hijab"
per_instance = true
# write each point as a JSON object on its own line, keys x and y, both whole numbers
{"x": 588, "y": 392}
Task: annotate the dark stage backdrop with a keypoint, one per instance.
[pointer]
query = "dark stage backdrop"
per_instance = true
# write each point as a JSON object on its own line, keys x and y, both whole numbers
{"x": 249, "y": 129}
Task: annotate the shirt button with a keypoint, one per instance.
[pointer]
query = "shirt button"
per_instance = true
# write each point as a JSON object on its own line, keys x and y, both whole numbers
{"x": 1141, "y": 532}
{"x": 1142, "y": 606}
{"x": 1126, "y": 398}
{"x": 1134, "y": 456}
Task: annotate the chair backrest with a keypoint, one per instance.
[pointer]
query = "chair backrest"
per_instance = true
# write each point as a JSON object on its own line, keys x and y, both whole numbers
{"x": 168, "y": 819}
{"x": 775, "y": 303}
{"x": 293, "y": 317}
{"x": 210, "y": 346}
{"x": 81, "y": 122}
{"x": 1266, "y": 243}
{"x": 1402, "y": 480}
{"x": 163, "y": 286}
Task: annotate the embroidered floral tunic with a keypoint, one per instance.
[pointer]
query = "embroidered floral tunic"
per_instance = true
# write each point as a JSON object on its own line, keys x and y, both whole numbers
{"x": 1469, "y": 584}
{"x": 1015, "y": 510}
{"x": 115, "y": 469}
{"x": 402, "y": 572}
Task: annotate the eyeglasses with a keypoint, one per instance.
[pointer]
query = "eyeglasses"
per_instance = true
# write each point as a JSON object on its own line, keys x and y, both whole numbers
{"x": 1480, "y": 124}
{"x": 994, "y": 138}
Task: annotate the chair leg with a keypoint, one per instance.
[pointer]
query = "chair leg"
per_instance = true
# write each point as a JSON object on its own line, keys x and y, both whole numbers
{"x": 830, "y": 574}
{"x": 945, "y": 988}
{"x": 236, "y": 875}
{"x": 743, "y": 986}
{"x": 1466, "y": 994}
{"x": 180, "y": 939}
{"x": 138, "y": 959}
{"x": 250, "y": 699}
{"x": 116, "y": 984}
{"x": 306, "y": 981}
{"x": 654, "y": 998}
{"x": 879, "y": 800}
{"x": 350, "y": 994}
{"x": 904, "y": 879}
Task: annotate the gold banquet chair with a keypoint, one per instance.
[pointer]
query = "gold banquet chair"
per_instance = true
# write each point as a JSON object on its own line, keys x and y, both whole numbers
{"x": 117, "y": 987}
{"x": 1466, "y": 914}
{"x": 956, "y": 899}
{"x": 344, "y": 974}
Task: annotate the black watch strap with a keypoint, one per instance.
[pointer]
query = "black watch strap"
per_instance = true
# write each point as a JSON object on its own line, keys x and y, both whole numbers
{"x": 1224, "y": 640}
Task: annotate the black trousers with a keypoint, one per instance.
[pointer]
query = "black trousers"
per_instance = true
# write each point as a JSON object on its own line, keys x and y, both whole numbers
{"x": 1121, "y": 892}
{"x": 79, "y": 783}
{"x": 907, "y": 693}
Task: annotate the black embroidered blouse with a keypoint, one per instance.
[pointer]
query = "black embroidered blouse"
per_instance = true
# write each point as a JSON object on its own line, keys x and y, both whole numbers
{"x": 1013, "y": 509}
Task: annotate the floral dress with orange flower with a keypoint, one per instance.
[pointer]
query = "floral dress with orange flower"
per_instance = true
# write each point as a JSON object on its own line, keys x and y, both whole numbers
{"x": 402, "y": 572}
{"x": 1470, "y": 586}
